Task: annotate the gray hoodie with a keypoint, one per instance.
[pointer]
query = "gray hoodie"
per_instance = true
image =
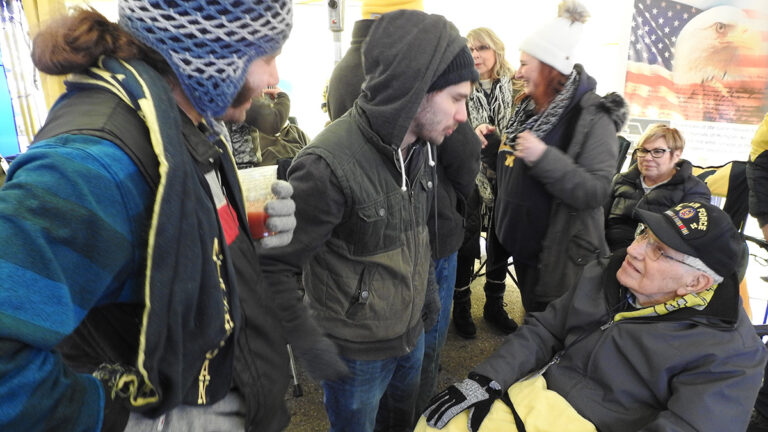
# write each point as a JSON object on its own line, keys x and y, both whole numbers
{"x": 361, "y": 208}
{"x": 404, "y": 53}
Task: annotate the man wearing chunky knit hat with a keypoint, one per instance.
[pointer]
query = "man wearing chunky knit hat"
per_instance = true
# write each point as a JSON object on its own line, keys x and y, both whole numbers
{"x": 363, "y": 189}
{"x": 136, "y": 301}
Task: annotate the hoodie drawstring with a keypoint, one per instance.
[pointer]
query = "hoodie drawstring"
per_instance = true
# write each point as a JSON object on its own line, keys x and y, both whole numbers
{"x": 429, "y": 155}
{"x": 403, "y": 187}
{"x": 434, "y": 198}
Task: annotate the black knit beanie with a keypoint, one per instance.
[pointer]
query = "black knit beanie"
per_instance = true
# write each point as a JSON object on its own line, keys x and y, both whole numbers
{"x": 460, "y": 69}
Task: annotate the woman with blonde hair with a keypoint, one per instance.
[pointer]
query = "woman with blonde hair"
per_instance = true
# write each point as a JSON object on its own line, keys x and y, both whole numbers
{"x": 658, "y": 180}
{"x": 492, "y": 98}
{"x": 491, "y": 103}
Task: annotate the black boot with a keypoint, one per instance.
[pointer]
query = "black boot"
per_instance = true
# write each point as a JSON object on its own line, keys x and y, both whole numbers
{"x": 758, "y": 422}
{"x": 462, "y": 313}
{"x": 493, "y": 311}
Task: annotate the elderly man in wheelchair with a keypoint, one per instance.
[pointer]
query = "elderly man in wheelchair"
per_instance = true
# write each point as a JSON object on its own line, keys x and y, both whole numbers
{"x": 653, "y": 338}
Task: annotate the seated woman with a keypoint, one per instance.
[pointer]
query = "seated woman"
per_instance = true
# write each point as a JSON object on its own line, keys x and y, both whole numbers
{"x": 657, "y": 181}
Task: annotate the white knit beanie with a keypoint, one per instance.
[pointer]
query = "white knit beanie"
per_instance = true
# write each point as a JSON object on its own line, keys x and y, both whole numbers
{"x": 555, "y": 43}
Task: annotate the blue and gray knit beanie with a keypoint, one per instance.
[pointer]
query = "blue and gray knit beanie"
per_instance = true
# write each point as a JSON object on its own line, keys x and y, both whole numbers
{"x": 209, "y": 44}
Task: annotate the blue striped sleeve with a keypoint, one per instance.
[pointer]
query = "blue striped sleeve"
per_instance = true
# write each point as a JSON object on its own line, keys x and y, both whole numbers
{"x": 73, "y": 215}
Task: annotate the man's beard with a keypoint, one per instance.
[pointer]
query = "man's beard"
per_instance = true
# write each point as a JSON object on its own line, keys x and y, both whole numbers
{"x": 243, "y": 95}
{"x": 426, "y": 125}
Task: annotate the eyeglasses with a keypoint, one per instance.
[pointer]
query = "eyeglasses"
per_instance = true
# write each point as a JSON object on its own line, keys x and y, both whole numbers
{"x": 656, "y": 153}
{"x": 479, "y": 48}
{"x": 653, "y": 249}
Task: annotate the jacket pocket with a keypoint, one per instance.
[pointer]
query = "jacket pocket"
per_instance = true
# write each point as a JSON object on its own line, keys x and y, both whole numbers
{"x": 566, "y": 251}
{"x": 581, "y": 251}
{"x": 358, "y": 301}
{"x": 375, "y": 309}
{"x": 377, "y": 226}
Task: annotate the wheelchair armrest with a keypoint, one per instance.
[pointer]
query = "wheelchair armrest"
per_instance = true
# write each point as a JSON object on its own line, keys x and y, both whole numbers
{"x": 761, "y": 330}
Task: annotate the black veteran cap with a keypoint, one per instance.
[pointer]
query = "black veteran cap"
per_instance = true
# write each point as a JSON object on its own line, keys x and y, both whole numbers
{"x": 700, "y": 230}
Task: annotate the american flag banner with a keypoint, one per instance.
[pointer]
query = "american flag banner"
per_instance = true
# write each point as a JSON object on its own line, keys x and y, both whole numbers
{"x": 687, "y": 63}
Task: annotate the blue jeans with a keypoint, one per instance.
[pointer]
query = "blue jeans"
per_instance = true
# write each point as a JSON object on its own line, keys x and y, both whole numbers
{"x": 434, "y": 338}
{"x": 379, "y": 395}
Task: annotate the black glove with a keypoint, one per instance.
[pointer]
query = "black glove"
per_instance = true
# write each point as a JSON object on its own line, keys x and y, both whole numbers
{"x": 431, "y": 309}
{"x": 116, "y": 411}
{"x": 477, "y": 393}
{"x": 321, "y": 359}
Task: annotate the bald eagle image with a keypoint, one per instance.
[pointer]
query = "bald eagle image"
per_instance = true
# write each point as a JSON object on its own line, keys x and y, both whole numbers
{"x": 710, "y": 44}
{"x": 706, "y": 69}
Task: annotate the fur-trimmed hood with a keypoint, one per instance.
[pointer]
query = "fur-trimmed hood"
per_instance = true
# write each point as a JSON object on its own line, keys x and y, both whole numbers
{"x": 616, "y": 107}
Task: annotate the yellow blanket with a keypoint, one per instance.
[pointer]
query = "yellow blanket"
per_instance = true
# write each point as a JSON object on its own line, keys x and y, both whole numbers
{"x": 540, "y": 409}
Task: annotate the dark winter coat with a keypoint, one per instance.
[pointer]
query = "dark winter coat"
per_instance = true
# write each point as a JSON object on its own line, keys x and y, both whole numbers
{"x": 688, "y": 370}
{"x": 361, "y": 236}
{"x": 627, "y": 194}
{"x": 210, "y": 317}
{"x": 578, "y": 180}
{"x": 757, "y": 174}
{"x": 347, "y": 76}
{"x": 457, "y": 157}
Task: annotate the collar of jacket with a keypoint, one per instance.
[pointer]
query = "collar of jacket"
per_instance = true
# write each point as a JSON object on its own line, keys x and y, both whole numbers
{"x": 143, "y": 89}
{"x": 722, "y": 311}
{"x": 360, "y": 31}
{"x": 361, "y": 119}
{"x": 684, "y": 170}
{"x": 392, "y": 150}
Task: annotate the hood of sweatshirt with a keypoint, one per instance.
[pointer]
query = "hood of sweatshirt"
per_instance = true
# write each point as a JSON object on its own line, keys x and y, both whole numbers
{"x": 405, "y": 52}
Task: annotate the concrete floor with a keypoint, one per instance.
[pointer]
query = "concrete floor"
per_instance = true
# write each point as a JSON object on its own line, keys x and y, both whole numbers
{"x": 458, "y": 357}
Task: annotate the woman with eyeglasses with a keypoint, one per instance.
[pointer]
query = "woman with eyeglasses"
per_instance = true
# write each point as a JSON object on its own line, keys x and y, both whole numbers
{"x": 490, "y": 106}
{"x": 493, "y": 97}
{"x": 658, "y": 180}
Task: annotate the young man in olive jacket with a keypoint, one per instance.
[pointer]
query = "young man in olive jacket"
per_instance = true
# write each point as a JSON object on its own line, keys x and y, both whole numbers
{"x": 363, "y": 188}
{"x": 457, "y": 163}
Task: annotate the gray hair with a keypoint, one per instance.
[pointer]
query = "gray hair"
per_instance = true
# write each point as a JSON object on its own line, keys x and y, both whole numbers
{"x": 699, "y": 265}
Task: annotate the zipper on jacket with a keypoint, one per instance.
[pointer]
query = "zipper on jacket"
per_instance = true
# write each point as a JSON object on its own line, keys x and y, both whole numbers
{"x": 204, "y": 379}
{"x": 202, "y": 382}
{"x": 414, "y": 251}
{"x": 607, "y": 325}
{"x": 555, "y": 360}
{"x": 410, "y": 194}
{"x": 609, "y": 315}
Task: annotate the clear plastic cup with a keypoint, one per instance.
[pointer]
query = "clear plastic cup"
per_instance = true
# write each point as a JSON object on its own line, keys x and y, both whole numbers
{"x": 257, "y": 187}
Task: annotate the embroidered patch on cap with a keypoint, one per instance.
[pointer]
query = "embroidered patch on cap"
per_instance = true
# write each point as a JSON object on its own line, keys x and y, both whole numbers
{"x": 686, "y": 213}
{"x": 701, "y": 230}
{"x": 688, "y": 218}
